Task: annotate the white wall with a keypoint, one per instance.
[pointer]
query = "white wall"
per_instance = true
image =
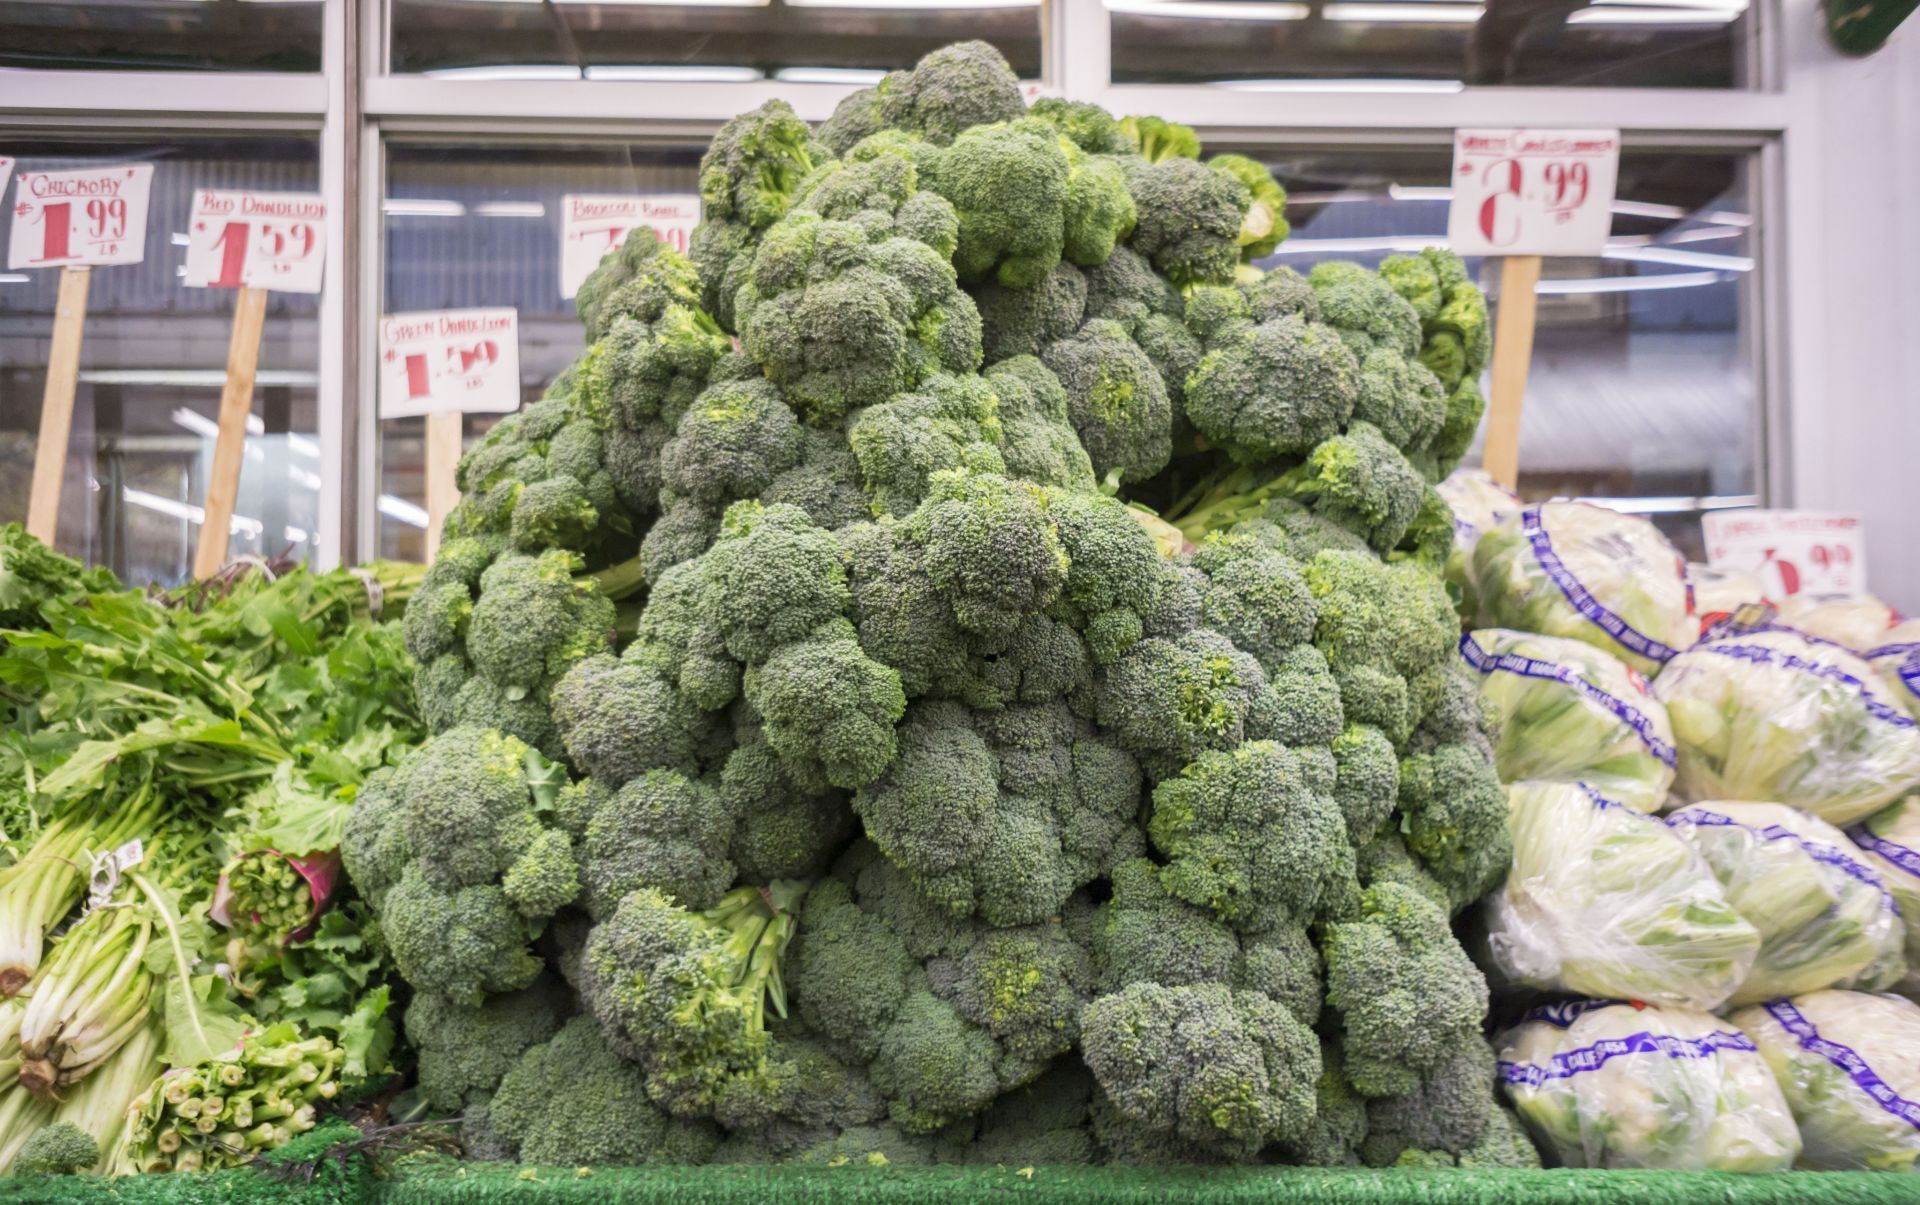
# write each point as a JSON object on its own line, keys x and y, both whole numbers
{"x": 1852, "y": 162}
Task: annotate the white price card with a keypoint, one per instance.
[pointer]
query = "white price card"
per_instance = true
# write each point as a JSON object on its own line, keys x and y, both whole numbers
{"x": 1532, "y": 192}
{"x": 256, "y": 240}
{"x": 591, "y": 226}
{"x": 1816, "y": 553}
{"x": 94, "y": 216}
{"x": 449, "y": 360}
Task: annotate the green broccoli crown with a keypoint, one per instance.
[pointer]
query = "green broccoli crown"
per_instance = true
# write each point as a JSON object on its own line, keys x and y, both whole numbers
{"x": 1456, "y": 816}
{"x": 1171, "y": 699}
{"x": 1280, "y": 293}
{"x": 642, "y": 278}
{"x": 1255, "y": 595}
{"x": 1116, "y": 400}
{"x": 1025, "y": 321}
{"x": 1408, "y": 996}
{"x": 783, "y": 829}
{"x": 1009, "y": 184}
{"x": 1340, "y": 1116}
{"x": 1450, "y": 1112}
{"x": 1402, "y": 398}
{"x": 621, "y": 718}
{"x": 1361, "y": 481}
{"x": 828, "y": 709}
{"x": 755, "y": 164}
{"x": 659, "y": 830}
{"x": 1158, "y": 140}
{"x": 1039, "y": 442}
{"x": 1247, "y": 836}
{"x": 1414, "y": 278}
{"x": 1188, "y": 219}
{"x": 533, "y": 621}
{"x": 1223, "y": 1069}
{"x": 464, "y": 1048}
{"x": 731, "y": 443}
{"x": 951, "y": 422}
{"x": 1265, "y": 226}
{"x": 773, "y": 577}
{"x": 1368, "y": 780}
{"x": 1146, "y": 934}
{"x": 1087, "y": 126}
{"x": 572, "y": 1102}
{"x": 59, "y": 1149}
{"x": 1365, "y": 309}
{"x": 1274, "y": 389}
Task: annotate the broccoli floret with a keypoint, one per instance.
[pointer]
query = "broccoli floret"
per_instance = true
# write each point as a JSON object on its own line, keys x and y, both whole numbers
{"x": 732, "y": 442}
{"x": 1265, "y": 226}
{"x": 1008, "y": 183}
{"x": 464, "y": 1048}
{"x": 783, "y": 831}
{"x": 1247, "y": 836}
{"x": 1407, "y": 995}
{"x": 1280, "y": 293}
{"x": 1448, "y": 1113}
{"x": 1401, "y": 398}
{"x": 1365, "y": 309}
{"x": 827, "y": 707}
{"x": 1099, "y": 209}
{"x": 1226, "y": 1070}
{"x": 1146, "y": 934}
{"x": 533, "y": 621}
{"x": 1302, "y": 703}
{"x": 451, "y": 852}
{"x": 1189, "y": 219}
{"x": 802, "y": 1090}
{"x": 950, "y": 422}
{"x": 1381, "y": 627}
{"x": 1284, "y": 963}
{"x": 1024, "y": 321}
{"x": 683, "y": 532}
{"x": 1385, "y": 860}
{"x": 1087, "y": 126}
{"x": 1255, "y": 595}
{"x": 825, "y": 482}
{"x": 1116, "y": 400}
{"x": 753, "y": 168}
{"x": 572, "y": 1102}
{"x": 1456, "y": 815}
{"x": 843, "y": 314}
{"x": 622, "y": 718}
{"x": 642, "y": 278}
{"x": 1041, "y": 1124}
{"x": 772, "y": 578}
{"x": 1465, "y": 405}
{"x": 1360, "y": 481}
{"x": 950, "y": 90}
{"x": 684, "y": 993}
{"x": 1169, "y": 700}
{"x": 1127, "y": 290}
{"x": 1158, "y": 140}
{"x": 1272, "y": 390}
{"x": 1368, "y": 781}
{"x": 659, "y": 830}
{"x": 59, "y": 1149}
{"x": 1340, "y": 1116}
{"x": 1040, "y": 444}
{"x": 1414, "y": 278}
{"x": 991, "y": 547}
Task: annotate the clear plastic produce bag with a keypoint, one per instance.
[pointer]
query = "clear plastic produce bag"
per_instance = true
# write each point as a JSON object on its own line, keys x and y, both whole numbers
{"x": 1897, "y": 658}
{"x": 1722, "y": 591}
{"x": 1569, "y": 712}
{"x": 1764, "y": 712}
{"x": 1581, "y": 571}
{"x": 1606, "y": 901}
{"x": 1858, "y": 623}
{"x": 1606, "y": 1083}
{"x": 1889, "y": 841}
{"x": 1826, "y": 918}
{"x": 1479, "y": 503}
{"x": 1849, "y": 1065}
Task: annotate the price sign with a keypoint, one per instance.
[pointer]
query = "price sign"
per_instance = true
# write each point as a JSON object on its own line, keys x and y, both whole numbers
{"x": 591, "y": 226}
{"x": 1532, "y": 192}
{"x": 449, "y": 360}
{"x": 95, "y": 216}
{"x": 256, "y": 240}
{"x": 1791, "y": 551}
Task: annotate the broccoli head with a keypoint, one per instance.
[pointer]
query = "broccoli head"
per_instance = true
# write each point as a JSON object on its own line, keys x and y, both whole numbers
{"x": 465, "y": 1048}
{"x": 827, "y": 708}
{"x": 950, "y": 422}
{"x": 1448, "y": 1113}
{"x": 1039, "y": 442}
{"x": 1272, "y": 390}
{"x": 1158, "y": 140}
{"x": 642, "y": 278}
{"x": 1116, "y": 399}
{"x": 1009, "y": 185}
{"x": 951, "y": 90}
{"x": 1170, "y": 699}
{"x": 1408, "y": 997}
{"x": 1265, "y": 226}
{"x": 1024, "y": 321}
{"x": 1454, "y": 806}
{"x": 1365, "y": 309}
{"x": 59, "y": 1149}
{"x": 1255, "y": 595}
{"x": 621, "y": 718}
{"x": 1188, "y": 219}
{"x": 533, "y": 620}
{"x": 754, "y": 167}
{"x": 1401, "y": 398}
{"x": 659, "y": 830}
{"x": 1361, "y": 481}
{"x": 1227, "y": 1070}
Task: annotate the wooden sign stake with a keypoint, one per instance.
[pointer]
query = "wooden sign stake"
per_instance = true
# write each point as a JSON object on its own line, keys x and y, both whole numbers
{"x": 236, "y": 403}
{"x": 443, "y": 456}
{"x": 1512, "y": 355}
{"x": 56, "y": 406}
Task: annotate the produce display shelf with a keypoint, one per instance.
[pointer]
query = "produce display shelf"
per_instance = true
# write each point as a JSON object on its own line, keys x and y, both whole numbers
{"x": 505, "y": 1184}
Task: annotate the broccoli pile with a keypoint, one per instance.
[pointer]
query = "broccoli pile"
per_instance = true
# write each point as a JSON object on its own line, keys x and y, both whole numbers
{"x": 838, "y": 760}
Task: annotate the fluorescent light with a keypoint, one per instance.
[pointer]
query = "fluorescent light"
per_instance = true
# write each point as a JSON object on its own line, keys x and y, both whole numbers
{"x": 304, "y": 446}
{"x": 200, "y": 424}
{"x": 507, "y": 71}
{"x": 829, "y": 75}
{"x": 1674, "y": 503}
{"x": 1679, "y": 258}
{"x": 1210, "y": 10}
{"x": 180, "y": 240}
{"x": 1346, "y": 85}
{"x": 408, "y": 207}
{"x": 1734, "y": 6}
{"x": 1652, "y": 16}
{"x": 1404, "y": 192}
{"x": 677, "y": 74}
{"x": 306, "y": 477}
{"x": 14, "y": 278}
{"x": 1347, "y": 246}
{"x": 1423, "y": 14}
{"x": 510, "y": 209}
{"x": 240, "y": 525}
{"x": 913, "y": 4}
{"x": 1629, "y": 284}
{"x": 1333, "y": 197}
{"x": 403, "y": 510}
{"x": 193, "y": 377}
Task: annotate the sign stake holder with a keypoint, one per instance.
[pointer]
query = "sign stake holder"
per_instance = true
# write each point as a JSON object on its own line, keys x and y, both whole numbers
{"x": 443, "y": 456}
{"x": 1512, "y": 356}
{"x": 236, "y": 403}
{"x": 56, "y": 405}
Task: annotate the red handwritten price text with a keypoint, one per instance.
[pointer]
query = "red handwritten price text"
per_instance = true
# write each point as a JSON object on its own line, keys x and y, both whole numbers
{"x": 1791, "y": 552}
{"x": 591, "y": 226}
{"x": 1533, "y": 192}
{"x": 450, "y": 360}
{"x": 94, "y": 216}
{"x": 257, "y": 240}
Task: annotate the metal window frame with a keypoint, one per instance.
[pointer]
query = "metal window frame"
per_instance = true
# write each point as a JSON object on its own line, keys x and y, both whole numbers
{"x": 356, "y": 107}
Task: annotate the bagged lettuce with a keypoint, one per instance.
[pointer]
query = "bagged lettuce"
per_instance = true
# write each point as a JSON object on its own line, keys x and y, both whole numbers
{"x": 1826, "y": 918}
{"x": 1849, "y": 1066}
{"x": 1897, "y": 658}
{"x": 1721, "y": 592}
{"x": 1765, "y": 712}
{"x": 1569, "y": 712}
{"x": 1605, "y": 1083}
{"x": 1858, "y": 623}
{"x": 1889, "y": 841}
{"x": 1587, "y": 573}
{"x": 1604, "y": 900}
{"x": 1478, "y": 503}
